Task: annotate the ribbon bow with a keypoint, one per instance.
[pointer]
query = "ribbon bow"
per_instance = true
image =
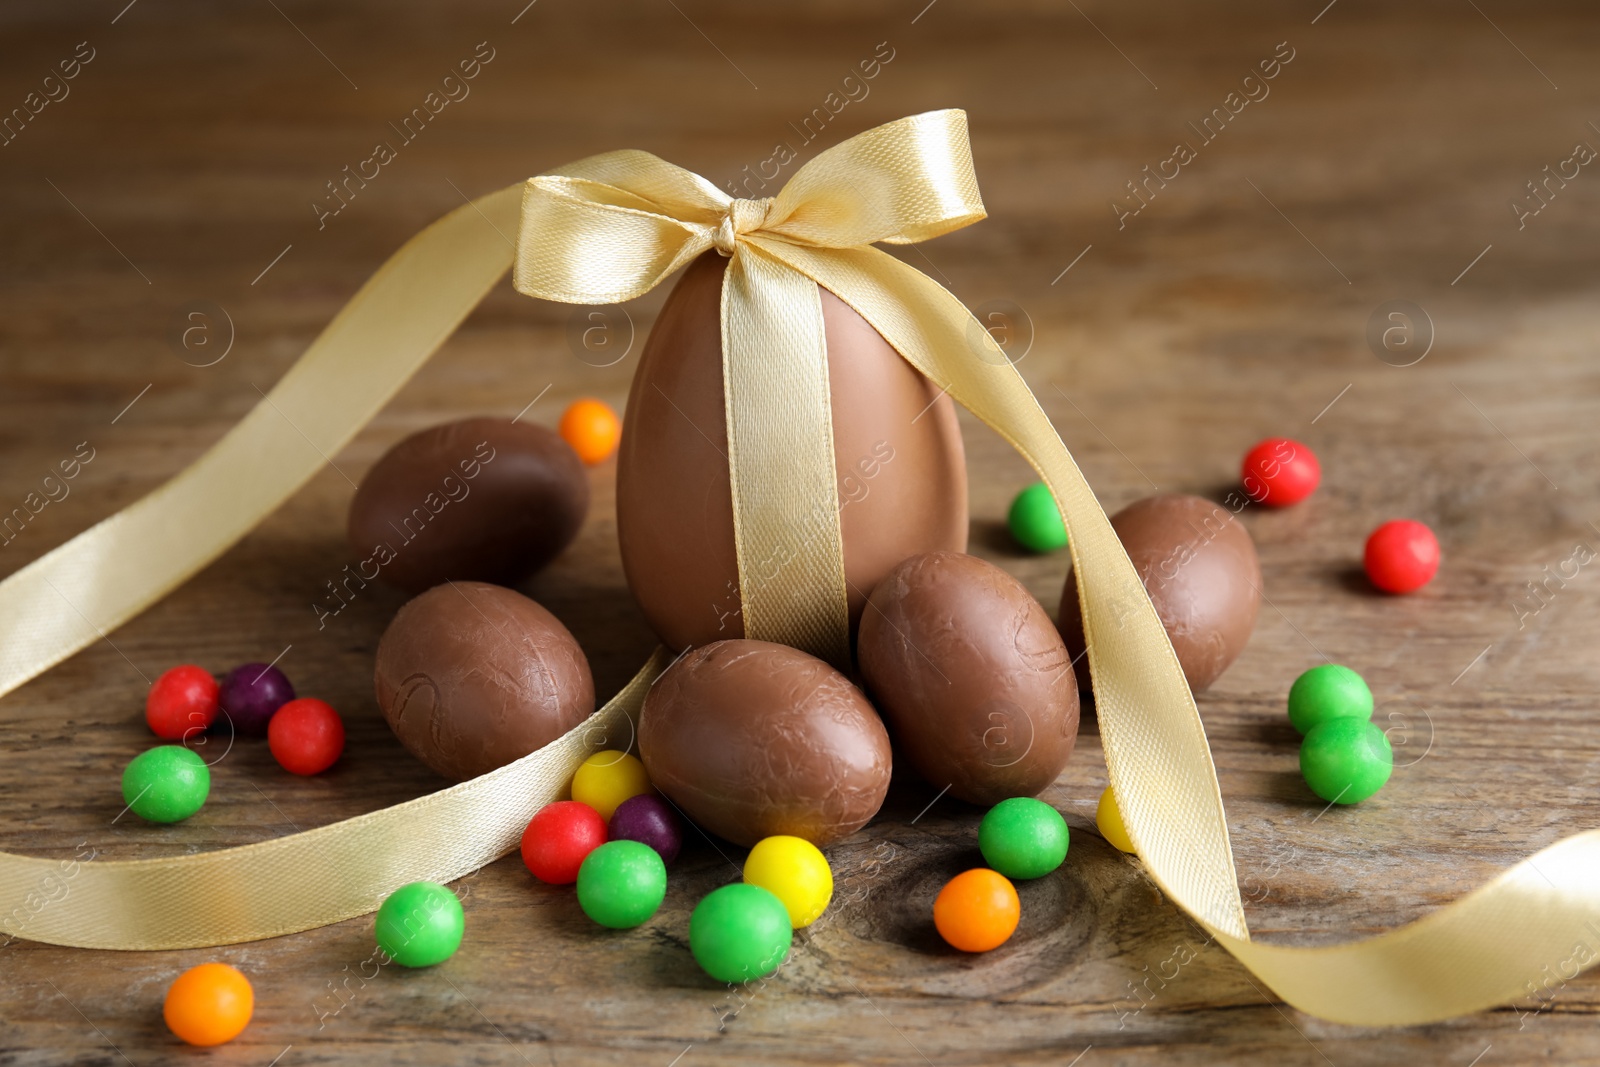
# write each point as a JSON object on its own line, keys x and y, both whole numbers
{"x": 603, "y": 230}
{"x": 611, "y": 227}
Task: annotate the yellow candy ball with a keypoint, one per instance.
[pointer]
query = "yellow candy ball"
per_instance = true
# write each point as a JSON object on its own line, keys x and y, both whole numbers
{"x": 606, "y": 779}
{"x": 795, "y": 871}
{"x": 1109, "y": 820}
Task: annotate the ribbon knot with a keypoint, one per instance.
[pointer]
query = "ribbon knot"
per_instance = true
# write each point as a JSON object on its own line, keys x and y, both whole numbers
{"x": 742, "y": 217}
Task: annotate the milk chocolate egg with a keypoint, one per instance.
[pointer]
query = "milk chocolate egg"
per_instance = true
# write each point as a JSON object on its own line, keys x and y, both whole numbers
{"x": 897, "y": 450}
{"x": 971, "y": 676}
{"x": 1199, "y": 566}
{"x": 753, "y": 739}
{"x": 486, "y": 499}
{"x": 472, "y": 676}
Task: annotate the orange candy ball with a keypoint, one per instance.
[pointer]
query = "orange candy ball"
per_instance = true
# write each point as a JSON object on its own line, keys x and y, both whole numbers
{"x": 209, "y": 1004}
{"x": 592, "y": 429}
{"x": 977, "y": 910}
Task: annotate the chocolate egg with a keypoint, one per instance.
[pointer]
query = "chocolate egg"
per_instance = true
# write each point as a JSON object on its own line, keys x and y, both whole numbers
{"x": 484, "y": 499}
{"x": 1199, "y": 566}
{"x": 753, "y": 739}
{"x": 971, "y": 676}
{"x": 472, "y": 676}
{"x": 897, "y": 451}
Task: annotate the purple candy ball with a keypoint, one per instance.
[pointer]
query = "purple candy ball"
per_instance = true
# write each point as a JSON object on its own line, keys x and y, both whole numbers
{"x": 648, "y": 820}
{"x": 251, "y": 693}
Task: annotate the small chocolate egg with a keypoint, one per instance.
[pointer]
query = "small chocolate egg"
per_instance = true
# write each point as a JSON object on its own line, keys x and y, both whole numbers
{"x": 902, "y": 478}
{"x": 1199, "y": 566}
{"x": 971, "y": 676}
{"x": 753, "y": 739}
{"x": 472, "y": 676}
{"x": 485, "y": 499}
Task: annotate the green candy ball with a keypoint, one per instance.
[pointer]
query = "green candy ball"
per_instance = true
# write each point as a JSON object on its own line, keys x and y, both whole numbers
{"x": 1328, "y": 692}
{"x": 1035, "y": 520}
{"x": 621, "y": 884}
{"x": 420, "y": 924}
{"x": 1023, "y": 838}
{"x": 1345, "y": 761}
{"x": 740, "y": 932}
{"x": 166, "y": 784}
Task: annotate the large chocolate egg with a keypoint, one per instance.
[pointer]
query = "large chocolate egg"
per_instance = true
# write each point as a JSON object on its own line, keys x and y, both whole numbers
{"x": 1199, "y": 566}
{"x": 971, "y": 676}
{"x": 472, "y": 676}
{"x": 897, "y": 450}
{"x": 484, "y": 499}
{"x": 753, "y": 739}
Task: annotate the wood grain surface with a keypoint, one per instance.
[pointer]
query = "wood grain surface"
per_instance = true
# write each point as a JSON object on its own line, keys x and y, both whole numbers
{"x": 186, "y": 162}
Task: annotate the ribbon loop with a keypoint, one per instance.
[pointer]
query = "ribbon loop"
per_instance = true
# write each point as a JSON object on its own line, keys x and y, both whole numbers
{"x": 900, "y": 183}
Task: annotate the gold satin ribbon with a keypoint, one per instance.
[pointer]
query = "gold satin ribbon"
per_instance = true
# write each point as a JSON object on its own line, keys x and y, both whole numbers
{"x": 601, "y": 231}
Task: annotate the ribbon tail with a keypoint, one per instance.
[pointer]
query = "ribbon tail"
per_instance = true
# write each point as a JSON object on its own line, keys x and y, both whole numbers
{"x": 1537, "y": 921}
{"x": 1522, "y": 935}
{"x": 781, "y": 460}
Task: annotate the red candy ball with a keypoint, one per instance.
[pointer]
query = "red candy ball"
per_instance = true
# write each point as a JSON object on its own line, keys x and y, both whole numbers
{"x": 182, "y": 703}
{"x": 1279, "y": 472}
{"x": 559, "y": 837}
{"x": 1402, "y": 556}
{"x": 306, "y": 736}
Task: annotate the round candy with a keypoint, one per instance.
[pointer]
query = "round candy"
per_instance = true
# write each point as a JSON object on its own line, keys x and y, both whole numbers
{"x": 420, "y": 924}
{"x": 1035, "y": 520}
{"x": 182, "y": 703}
{"x": 209, "y": 1004}
{"x": 1279, "y": 472}
{"x": 558, "y": 839}
{"x": 251, "y": 693}
{"x": 166, "y": 784}
{"x": 1402, "y": 556}
{"x": 1108, "y": 817}
{"x": 740, "y": 932}
{"x": 649, "y": 820}
{"x": 795, "y": 871}
{"x": 1328, "y": 691}
{"x": 1023, "y": 838}
{"x": 592, "y": 429}
{"x": 1345, "y": 761}
{"x": 977, "y": 910}
{"x": 606, "y": 779}
{"x": 306, "y": 736}
{"x": 621, "y": 884}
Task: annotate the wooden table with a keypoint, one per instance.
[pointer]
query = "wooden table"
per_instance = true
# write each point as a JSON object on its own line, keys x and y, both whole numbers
{"x": 183, "y": 166}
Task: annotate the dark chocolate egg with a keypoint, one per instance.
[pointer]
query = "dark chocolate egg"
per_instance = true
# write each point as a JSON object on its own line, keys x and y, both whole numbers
{"x": 1199, "y": 566}
{"x": 897, "y": 450}
{"x": 753, "y": 739}
{"x": 472, "y": 676}
{"x": 484, "y": 499}
{"x": 971, "y": 677}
